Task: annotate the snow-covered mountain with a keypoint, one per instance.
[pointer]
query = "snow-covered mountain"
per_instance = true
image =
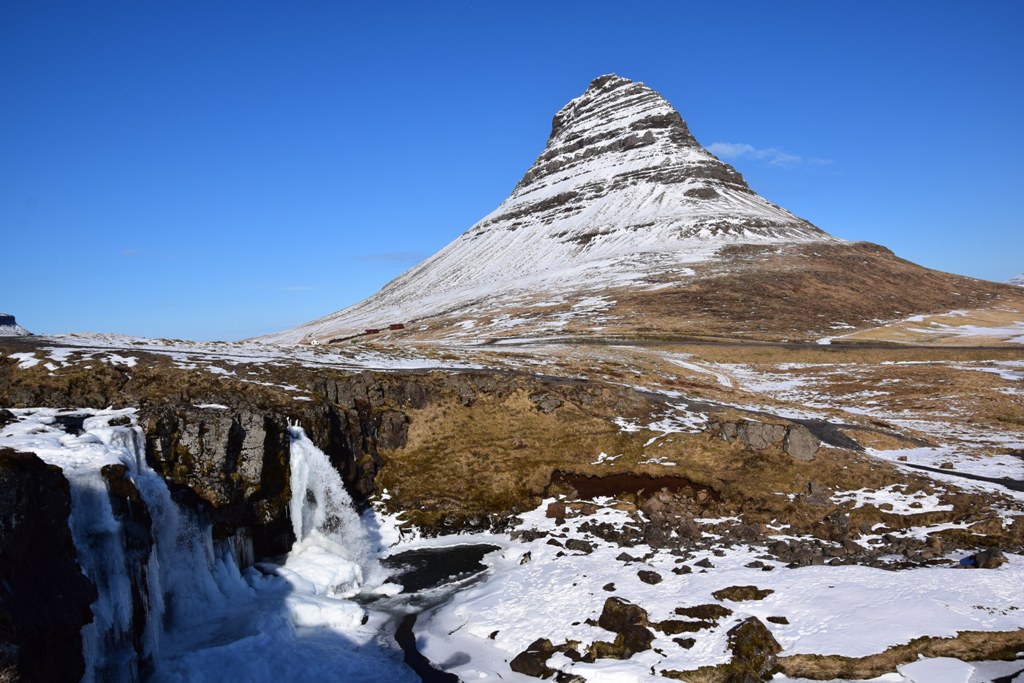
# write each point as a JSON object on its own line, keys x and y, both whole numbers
{"x": 9, "y": 327}
{"x": 1017, "y": 280}
{"x": 621, "y": 195}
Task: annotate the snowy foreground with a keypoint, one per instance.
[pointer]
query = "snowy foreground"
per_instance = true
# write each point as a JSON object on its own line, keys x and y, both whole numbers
{"x": 326, "y": 611}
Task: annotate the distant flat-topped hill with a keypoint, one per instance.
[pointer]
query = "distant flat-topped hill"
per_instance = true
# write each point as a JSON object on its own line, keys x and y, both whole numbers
{"x": 625, "y": 225}
{"x": 9, "y": 327}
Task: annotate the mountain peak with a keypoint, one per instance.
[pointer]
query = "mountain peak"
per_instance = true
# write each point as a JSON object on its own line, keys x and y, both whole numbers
{"x": 622, "y": 195}
{"x": 614, "y": 102}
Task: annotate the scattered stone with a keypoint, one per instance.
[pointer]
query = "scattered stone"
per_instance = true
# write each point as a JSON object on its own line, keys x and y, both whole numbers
{"x": 649, "y": 577}
{"x": 816, "y": 494}
{"x": 610, "y": 587}
{"x": 626, "y": 557}
{"x": 741, "y": 593}
{"x": 685, "y": 643}
{"x": 756, "y": 564}
{"x": 580, "y": 545}
{"x": 946, "y": 466}
{"x": 552, "y": 541}
{"x": 706, "y": 563}
{"x": 492, "y": 635}
{"x": 779, "y": 620}
{"x": 545, "y": 402}
{"x": 682, "y": 569}
{"x": 527, "y": 556}
{"x": 555, "y": 511}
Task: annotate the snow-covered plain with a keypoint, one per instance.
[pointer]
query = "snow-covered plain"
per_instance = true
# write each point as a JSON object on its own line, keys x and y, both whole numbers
{"x": 851, "y": 610}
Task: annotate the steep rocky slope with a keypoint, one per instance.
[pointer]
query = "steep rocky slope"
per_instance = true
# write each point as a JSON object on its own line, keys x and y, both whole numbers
{"x": 625, "y": 225}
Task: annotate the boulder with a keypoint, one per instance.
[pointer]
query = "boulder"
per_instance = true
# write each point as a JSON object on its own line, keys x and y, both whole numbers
{"x": 759, "y": 436}
{"x": 800, "y": 443}
{"x": 649, "y": 577}
{"x": 533, "y": 660}
{"x": 629, "y": 623}
{"x": 991, "y": 558}
{"x": 741, "y": 593}
{"x": 754, "y": 651}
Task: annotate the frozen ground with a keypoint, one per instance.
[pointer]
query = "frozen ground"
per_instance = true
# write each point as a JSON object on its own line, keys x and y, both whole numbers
{"x": 541, "y": 590}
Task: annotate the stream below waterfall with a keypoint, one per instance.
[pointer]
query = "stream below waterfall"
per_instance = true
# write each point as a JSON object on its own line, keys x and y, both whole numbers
{"x": 183, "y": 610}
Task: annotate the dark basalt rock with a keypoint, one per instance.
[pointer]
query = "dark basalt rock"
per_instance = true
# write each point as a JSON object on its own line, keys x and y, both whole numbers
{"x": 44, "y": 597}
{"x": 649, "y": 577}
{"x": 137, "y": 526}
{"x": 231, "y": 463}
{"x": 579, "y": 545}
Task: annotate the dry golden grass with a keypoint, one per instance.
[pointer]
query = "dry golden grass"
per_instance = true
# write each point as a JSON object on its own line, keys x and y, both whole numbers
{"x": 967, "y": 646}
{"x": 995, "y": 327}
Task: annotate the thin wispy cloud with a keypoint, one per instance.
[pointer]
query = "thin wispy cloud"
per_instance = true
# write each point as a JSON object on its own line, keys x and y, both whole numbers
{"x": 392, "y": 257}
{"x": 769, "y": 155}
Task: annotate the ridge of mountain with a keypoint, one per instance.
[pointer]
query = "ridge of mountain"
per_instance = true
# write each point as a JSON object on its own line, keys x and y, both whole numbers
{"x": 622, "y": 194}
{"x": 1016, "y": 280}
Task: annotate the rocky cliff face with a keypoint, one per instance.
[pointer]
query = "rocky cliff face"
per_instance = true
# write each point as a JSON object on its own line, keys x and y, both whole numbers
{"x": 622, "y": 193}
{"x": 44, "y": 597}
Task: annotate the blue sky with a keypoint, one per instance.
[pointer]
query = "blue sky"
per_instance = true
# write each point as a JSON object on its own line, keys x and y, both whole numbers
{"x": 221, "y": 170}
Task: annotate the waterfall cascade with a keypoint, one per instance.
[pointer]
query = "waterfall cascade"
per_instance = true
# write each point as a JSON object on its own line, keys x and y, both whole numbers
{"x": 326, "y": 524}
{"x": 175, "y": 605}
